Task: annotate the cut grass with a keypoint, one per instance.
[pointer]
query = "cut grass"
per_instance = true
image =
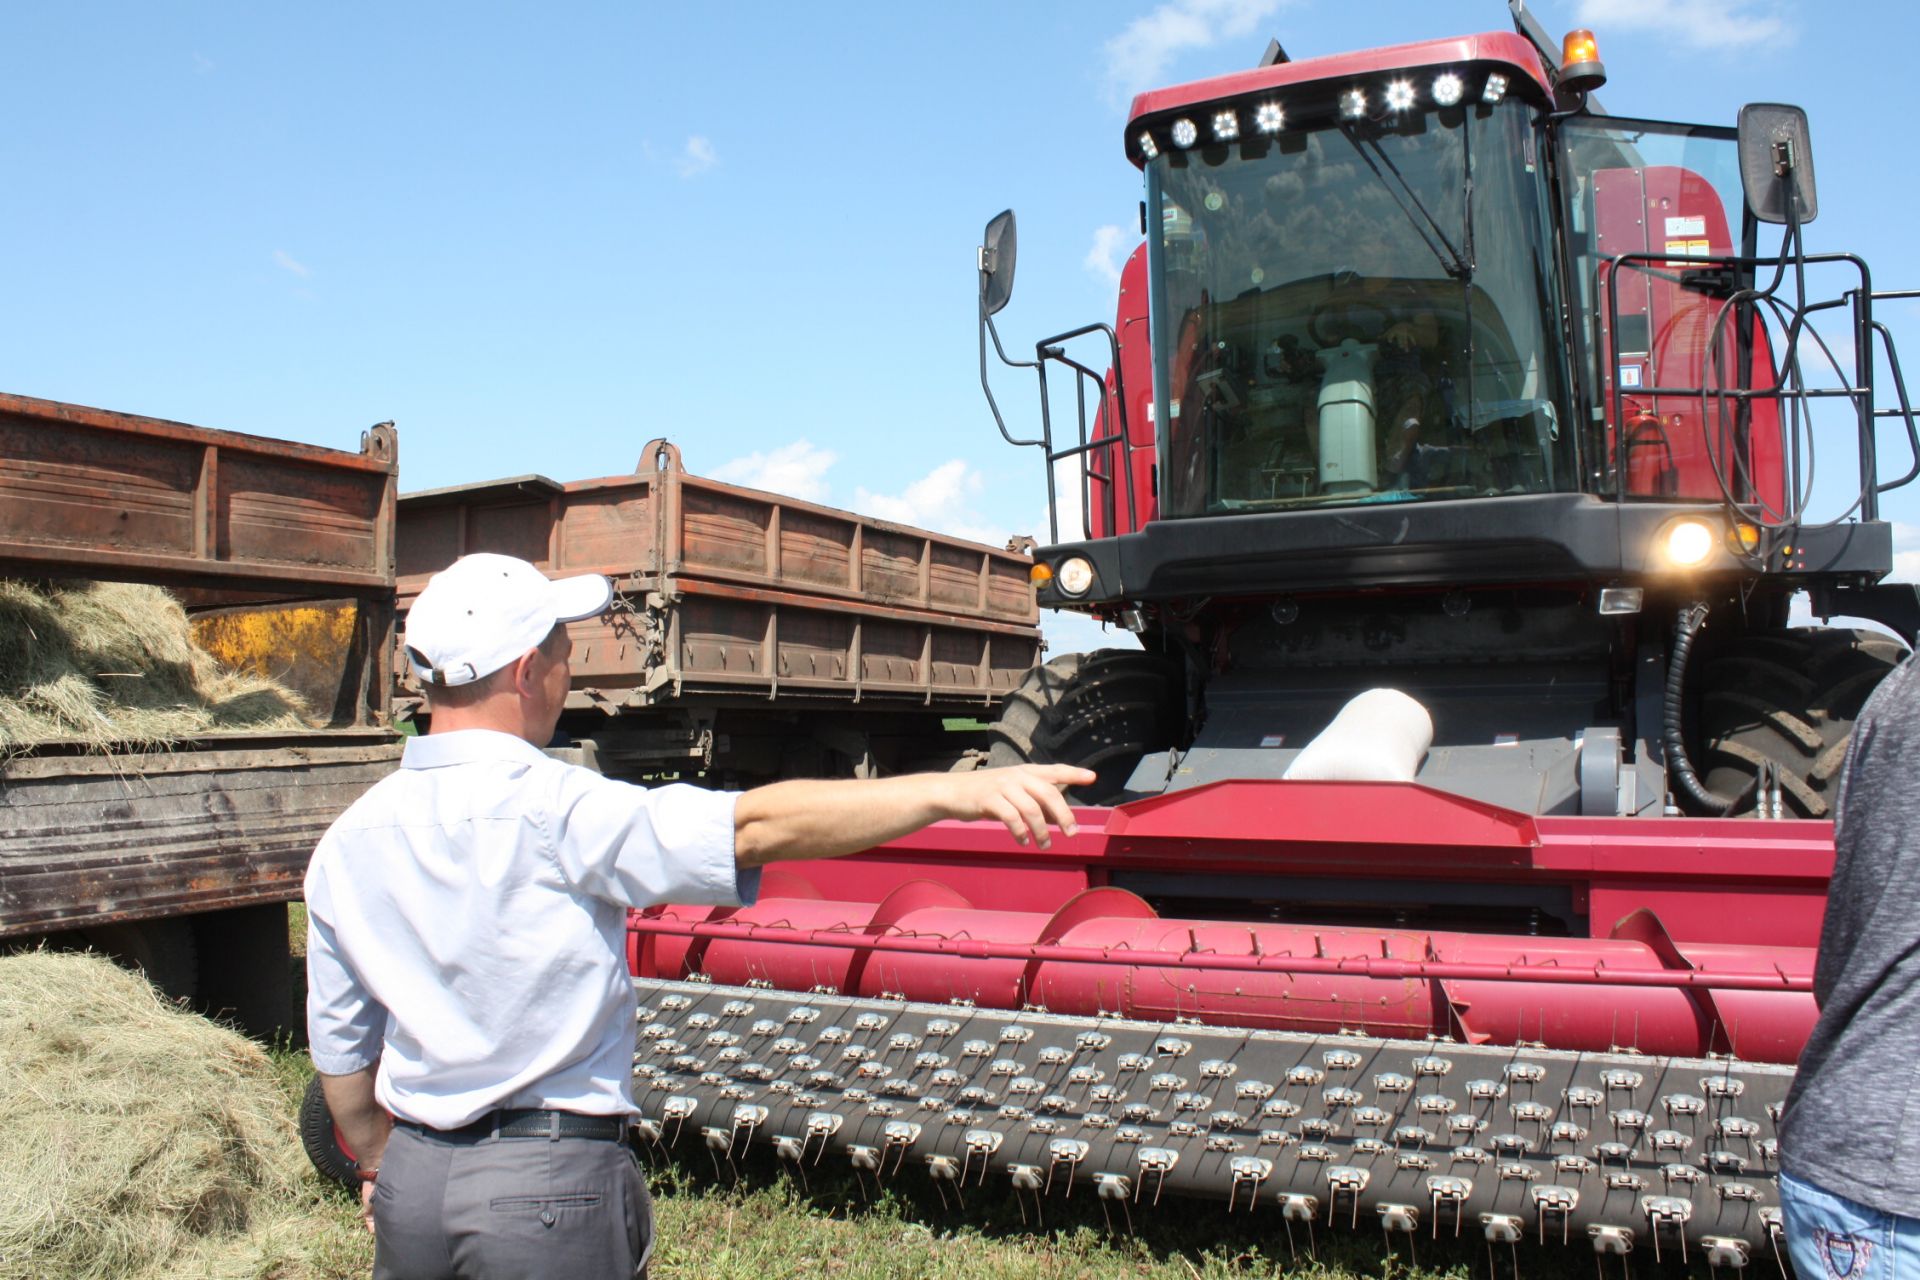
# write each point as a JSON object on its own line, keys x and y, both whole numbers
{"x": 769, "y": 1225}
{"x": 144, "y": 1143}
{"x": 113, "y": 665}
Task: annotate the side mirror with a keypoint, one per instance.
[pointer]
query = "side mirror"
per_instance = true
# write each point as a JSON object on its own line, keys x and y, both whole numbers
{"x": 996, "y": 264}
{"x": 1776, "y": 162}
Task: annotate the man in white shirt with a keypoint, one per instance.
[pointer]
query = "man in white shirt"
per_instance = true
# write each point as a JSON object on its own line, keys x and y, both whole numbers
{"x": 469, "y": 1008}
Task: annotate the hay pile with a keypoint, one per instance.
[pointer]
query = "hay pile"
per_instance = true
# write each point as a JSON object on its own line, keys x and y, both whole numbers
{"x": 113, "y": 664}
{"x": 141, "y": 1141}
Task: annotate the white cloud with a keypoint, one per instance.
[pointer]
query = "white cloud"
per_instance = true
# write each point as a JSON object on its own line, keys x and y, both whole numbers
{"x": 940, "y": 501}
{"x": 1111, "y": 245}
{"x": 696, "y": 157}
{"x": 797, "y": 470}
{"x": 1703, "y": 24}
{"x": 1138, "y": 57}
{"x": 285, "y": 261}
{"x": 1066, "y": 498}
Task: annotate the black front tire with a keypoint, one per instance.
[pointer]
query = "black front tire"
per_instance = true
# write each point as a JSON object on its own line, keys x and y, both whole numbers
{"x": 1102, "y": 711}
{"x": 1789, "y": 698}
{"x": 322, "y": 1140}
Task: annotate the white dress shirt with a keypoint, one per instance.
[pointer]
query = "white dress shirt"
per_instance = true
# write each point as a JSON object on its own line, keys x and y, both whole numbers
{"x": 466, "y": 925}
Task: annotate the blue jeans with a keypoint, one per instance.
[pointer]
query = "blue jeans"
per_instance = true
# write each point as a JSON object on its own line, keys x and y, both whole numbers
{"x": 1831, "y": 1238}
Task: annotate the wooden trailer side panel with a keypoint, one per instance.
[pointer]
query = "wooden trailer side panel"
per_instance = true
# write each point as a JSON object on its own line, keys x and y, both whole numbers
{"x": 284, "y": 553}
{"x": 736, "y": 593}
{"x": 92, "y": 493}
{"x": 90, "y": 840}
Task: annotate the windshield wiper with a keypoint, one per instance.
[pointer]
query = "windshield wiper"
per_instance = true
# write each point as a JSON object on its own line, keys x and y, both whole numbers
{"x": 1451, "y": 260}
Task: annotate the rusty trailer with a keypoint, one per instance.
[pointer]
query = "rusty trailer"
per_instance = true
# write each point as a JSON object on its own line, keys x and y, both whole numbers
{"x": 754, "y": 636}
{"x": 180, "y": 858}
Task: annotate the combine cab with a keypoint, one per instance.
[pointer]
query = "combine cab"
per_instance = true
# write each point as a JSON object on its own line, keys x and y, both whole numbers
{"x": 1428, "y": 376}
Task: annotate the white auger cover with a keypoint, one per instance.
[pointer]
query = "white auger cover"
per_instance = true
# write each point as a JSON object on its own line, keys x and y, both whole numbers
{"x": 1379, "y": 736}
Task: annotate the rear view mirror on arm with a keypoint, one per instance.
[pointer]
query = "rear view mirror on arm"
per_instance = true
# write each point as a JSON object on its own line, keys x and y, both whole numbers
{"x": 996, "y": 264}
{"x": 1776, "y": 162}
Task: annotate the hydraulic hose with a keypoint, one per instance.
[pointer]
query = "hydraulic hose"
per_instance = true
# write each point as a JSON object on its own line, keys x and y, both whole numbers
{"x": 1686, "y": 628}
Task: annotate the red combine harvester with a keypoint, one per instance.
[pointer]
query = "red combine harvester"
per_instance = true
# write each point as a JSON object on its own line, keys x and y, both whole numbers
{"x": 1429, "y": 376}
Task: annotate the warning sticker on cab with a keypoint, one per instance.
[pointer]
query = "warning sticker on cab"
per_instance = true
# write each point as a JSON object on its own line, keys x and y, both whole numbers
{"x": 1687, "y": 228}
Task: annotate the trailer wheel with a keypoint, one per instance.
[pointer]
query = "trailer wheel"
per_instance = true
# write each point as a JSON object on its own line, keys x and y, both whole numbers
{"x": 322, "y": 1140}
{"x": 1102, "y": 710}
{"x": 162, "y": 949}
{"x": 1788, "y": 698}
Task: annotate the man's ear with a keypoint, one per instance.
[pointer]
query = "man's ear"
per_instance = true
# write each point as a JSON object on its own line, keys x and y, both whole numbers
{"x": 526, "y": 674}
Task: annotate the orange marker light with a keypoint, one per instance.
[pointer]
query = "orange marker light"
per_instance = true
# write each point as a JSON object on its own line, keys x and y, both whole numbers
{"x": 1040, "y": 574}
{"x": 1579, "y": 47}
{"x": 1580, "y": 67}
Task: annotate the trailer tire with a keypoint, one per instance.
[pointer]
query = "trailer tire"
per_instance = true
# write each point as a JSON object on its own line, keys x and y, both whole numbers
{"x": 162, "y": 949}
{"x": 1788, "y": 698}
{"x": 1102, "y": 711}
{"x": 322, "y": 1140}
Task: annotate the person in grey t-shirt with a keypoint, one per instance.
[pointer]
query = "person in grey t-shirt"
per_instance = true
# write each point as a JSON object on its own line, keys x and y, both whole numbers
{"x": 1850, "y": 1135}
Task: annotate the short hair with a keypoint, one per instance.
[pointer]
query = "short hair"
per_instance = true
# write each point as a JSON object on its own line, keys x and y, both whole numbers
{"x": 459, "y": 696}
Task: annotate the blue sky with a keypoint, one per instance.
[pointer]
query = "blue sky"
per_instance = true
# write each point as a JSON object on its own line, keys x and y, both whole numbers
{"x": 537, "y": 236}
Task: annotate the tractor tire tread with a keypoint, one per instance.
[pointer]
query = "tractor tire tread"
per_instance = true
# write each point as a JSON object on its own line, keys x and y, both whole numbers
{"x": 1100, "y": 710}
{"x": 1791, "y": 726}
{"x": 1788, "y": 699}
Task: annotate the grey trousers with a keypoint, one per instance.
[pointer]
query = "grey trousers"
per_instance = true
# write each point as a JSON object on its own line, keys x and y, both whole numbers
{"x": 509, "y": 1209}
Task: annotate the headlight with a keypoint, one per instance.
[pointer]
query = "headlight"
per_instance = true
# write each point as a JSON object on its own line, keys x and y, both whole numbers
{"x": 1075, "y": 575}
{"x": 1688, "y": 543}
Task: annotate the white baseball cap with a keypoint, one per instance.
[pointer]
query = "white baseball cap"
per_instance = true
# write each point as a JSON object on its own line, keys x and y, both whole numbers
{"x": 484, "y": 611}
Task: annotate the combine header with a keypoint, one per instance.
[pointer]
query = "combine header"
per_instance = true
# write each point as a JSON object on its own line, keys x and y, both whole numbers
{"x": 1430, "y": 376}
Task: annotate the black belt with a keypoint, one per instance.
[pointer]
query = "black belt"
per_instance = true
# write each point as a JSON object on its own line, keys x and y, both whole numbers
{"x": 527, "y": 1122}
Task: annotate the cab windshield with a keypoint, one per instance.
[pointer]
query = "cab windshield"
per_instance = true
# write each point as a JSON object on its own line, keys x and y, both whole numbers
{"x": 1357, "y": 313}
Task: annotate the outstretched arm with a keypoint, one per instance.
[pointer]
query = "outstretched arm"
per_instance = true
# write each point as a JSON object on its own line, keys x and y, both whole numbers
{"x": 825, "y": 819}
